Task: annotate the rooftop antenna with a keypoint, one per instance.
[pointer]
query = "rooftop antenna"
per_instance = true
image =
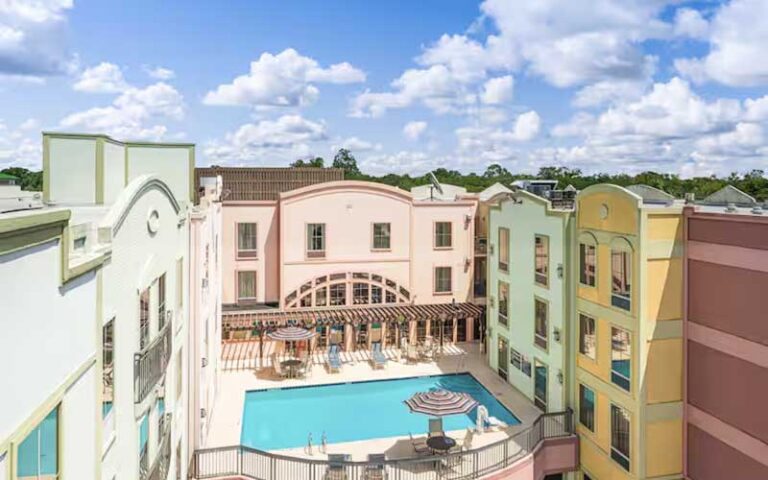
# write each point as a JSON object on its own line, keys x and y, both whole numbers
{"x": 435, "y": 186}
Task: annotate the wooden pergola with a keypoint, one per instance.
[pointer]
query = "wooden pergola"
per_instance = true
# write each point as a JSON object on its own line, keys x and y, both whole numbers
{"x": 248, "y": 321}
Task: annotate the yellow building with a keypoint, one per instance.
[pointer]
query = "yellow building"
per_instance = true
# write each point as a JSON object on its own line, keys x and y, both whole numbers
{"x": 627, "y": 333}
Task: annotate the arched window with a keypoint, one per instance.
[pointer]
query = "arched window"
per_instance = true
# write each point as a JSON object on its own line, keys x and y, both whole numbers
{"x": 350, "y": 288}
{"x": 587, "y": 260}
{"x": 621, "y": 273}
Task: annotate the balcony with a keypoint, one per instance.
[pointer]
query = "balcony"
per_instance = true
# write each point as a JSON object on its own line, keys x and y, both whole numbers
{"x": 149, "y": 365}
{"x": 481, "y": 246}
{"x": 159, "y": 468}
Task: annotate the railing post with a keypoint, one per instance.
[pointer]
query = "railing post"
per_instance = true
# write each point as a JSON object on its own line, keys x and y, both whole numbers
{"x": 240, "y": 460}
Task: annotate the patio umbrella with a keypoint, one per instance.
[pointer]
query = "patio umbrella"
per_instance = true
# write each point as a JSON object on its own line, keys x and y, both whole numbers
{"x": 291, "y": 334}
{"x": 440, "y": 403}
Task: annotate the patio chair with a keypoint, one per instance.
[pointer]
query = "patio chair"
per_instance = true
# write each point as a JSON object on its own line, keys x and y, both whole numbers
{"x": 420, "y": 446}
{"x": 336, "y": 467}
{"x": 278, "y": 368}
{"x": 334, "y": 361}
{"x": 412, "y": 353}
{"x": 436, "y": 427}
{"x": 375, "y": 470}
{"x": 377, "y": 356}
{"x": 466, "y": 443}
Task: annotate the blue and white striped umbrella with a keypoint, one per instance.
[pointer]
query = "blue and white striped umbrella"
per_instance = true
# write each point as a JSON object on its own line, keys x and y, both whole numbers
{"x": 291, "y": 334}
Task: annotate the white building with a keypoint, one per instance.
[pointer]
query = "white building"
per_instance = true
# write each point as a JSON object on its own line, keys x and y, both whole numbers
{"x": 96, "y": 314}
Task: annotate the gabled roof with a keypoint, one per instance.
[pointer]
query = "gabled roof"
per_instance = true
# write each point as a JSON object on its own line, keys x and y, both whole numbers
{"x": 651, "y": 194}
{"x": 729, "y": 194}
{"x": 494, "y": 189}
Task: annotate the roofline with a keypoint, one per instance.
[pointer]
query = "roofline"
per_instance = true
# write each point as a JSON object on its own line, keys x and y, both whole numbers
{"x": 127, "y": 143}
{"x": 347, "y": 184}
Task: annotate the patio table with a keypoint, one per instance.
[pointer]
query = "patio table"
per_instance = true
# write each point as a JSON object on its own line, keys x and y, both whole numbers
{"x": 291, "y": 365}
{"x": 441, "y": 443}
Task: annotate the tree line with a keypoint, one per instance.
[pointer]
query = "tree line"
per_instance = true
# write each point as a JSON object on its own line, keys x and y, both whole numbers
{"x": 753, "y": 182}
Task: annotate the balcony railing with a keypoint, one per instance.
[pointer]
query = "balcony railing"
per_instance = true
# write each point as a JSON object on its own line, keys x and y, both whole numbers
{"x": 481, "y": 245}
{"x": 159, "y": 468}
{"x": 256, "y": 464}
{"x": 149, "y": 365}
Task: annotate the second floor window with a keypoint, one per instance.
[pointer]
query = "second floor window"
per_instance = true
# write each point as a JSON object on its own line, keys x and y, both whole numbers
{"x": 587, "y": 263}
{"x": 621, "y": 275}
{"x": 504, "y": 249}
{"x": 316, "y": 240}
{"x": 443, "y": 235}
{"x": 246, "y": 286}
{"x": 246, "y": 240}
{"x": 542, "y": 260}
{"x": 381, "y": 236}
{"x": 541, "y": 336}
{"x": 503, "y": 303}
{"x": 443, "y": 280}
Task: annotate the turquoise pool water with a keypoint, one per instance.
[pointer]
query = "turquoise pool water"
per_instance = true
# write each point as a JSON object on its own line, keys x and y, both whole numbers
{"x": 282, "y": 418}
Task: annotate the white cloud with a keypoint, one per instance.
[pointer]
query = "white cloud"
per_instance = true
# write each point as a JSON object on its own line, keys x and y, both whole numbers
{"x": 33, "y": 38}
{"x": 434, "y": 87}
{"x": 20, "y": 147}
{"x": 738, "y": 41}
{"x": 132, "y": 114}
{"x": 578, "y": 41}
{"x": 356, "y": 145}
{"x": 159, "y": 73}
{"x": 287, "y": 138}
{"x": 527, "y": 126}
{"x": 414, "y": 130}
{"x": 668, "y": 128}
{"x": 411, "y": 162}
{"x": 283, "y": 80}
{"x": 498, "y": 90}
{"x": 103, "y": 78}
{"x": 690, "y": 23}
{"x": 609, "y": 91}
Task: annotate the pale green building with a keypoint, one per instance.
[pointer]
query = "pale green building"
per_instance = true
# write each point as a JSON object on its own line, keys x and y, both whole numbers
{"x": 528, "y": 309}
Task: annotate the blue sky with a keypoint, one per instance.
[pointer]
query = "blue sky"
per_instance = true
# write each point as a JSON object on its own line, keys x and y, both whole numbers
{"x": 601, "y": 85}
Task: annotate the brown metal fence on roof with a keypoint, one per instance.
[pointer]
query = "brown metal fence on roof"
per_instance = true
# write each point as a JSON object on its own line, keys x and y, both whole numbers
{"x": 262, "y": 183}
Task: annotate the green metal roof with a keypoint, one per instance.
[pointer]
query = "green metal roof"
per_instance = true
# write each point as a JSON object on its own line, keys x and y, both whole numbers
{"x": 5, "y": 176}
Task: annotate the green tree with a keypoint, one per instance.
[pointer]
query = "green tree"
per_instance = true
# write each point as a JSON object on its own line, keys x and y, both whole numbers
{"x": 317, "y": 162}
{"x": 28, "y": 180}
{"x": 347, "y": 162}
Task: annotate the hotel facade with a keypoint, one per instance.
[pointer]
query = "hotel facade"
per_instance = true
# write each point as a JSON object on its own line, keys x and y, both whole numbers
{"x": 109, "y": 253}
{"x": 726, "y": 335}
{"x": 529, "y": 308}
{"x": 628, "y": 333}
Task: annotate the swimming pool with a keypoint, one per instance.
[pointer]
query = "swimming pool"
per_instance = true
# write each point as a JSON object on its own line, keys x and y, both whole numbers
{"x": 283, "y": 418}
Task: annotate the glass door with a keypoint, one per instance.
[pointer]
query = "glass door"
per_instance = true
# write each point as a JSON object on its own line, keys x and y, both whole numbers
{"x": 503, "y": 357}
{"x": 541, "y": 375}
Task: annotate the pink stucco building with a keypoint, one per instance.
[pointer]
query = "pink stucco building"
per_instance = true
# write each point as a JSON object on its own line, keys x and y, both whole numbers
{"x": 350, "y": 243}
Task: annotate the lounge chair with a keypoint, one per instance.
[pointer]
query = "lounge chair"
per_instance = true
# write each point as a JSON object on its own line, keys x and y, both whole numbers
{"x": 420, "y": 446}
{"x": 412, "y": 353}
{"x": 466, "y": 444}
{"x": 278, "y": 368}
{"x": 436, "y": 427}
{"x": 379, "y": 360}
{"x": 334, "y": 360}
{"x": 375, "y": 470}
{"x": 336, "y": 467}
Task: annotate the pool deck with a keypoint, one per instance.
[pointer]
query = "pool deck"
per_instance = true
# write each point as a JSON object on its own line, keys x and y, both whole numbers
{"x": 238, "y": 378}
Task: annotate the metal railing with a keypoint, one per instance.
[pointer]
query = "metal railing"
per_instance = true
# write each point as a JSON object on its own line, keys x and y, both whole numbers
{"x": 149, "y": 365}
{"x": 460, "y": 465}
{"x": 159, "y": 468}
